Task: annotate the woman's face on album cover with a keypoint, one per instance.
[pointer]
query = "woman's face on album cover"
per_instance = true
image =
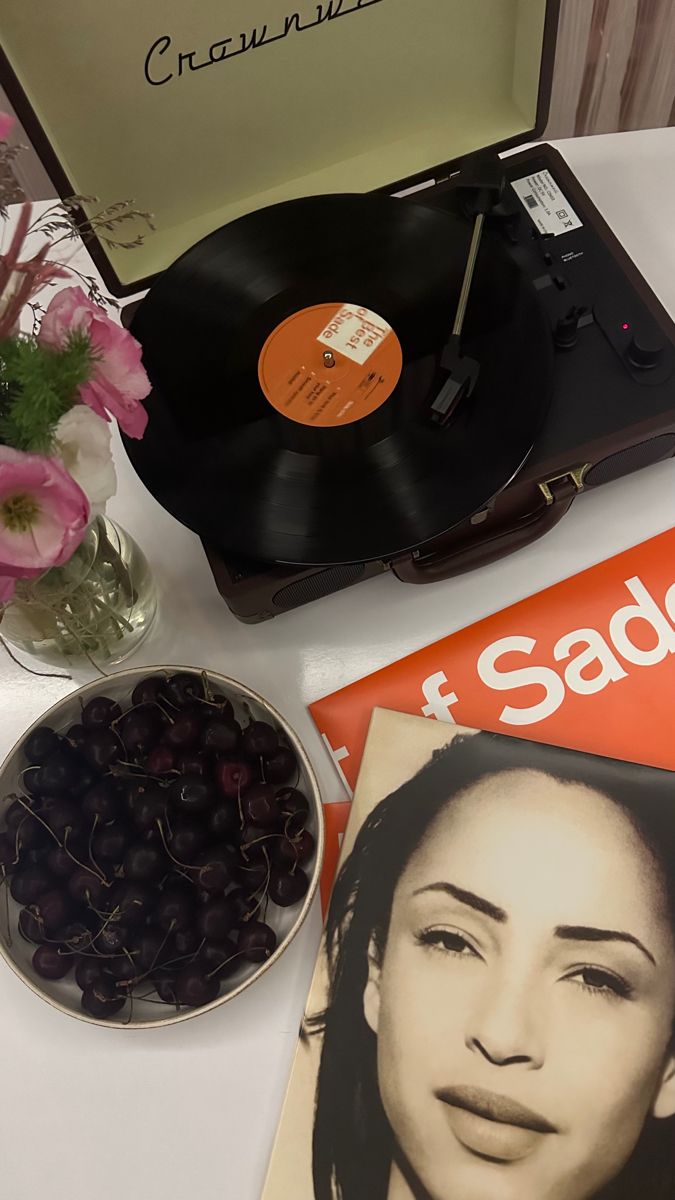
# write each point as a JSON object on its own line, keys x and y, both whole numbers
{"x": 524, "y": 1000}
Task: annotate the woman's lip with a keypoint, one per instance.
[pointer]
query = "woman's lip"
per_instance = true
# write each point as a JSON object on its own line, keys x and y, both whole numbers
{"x": 493, "y": 1140}
{"x": 491, "y": 1106}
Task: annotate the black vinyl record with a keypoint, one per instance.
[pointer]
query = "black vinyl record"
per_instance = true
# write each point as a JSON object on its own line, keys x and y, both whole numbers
{"x": 225, "y": 462}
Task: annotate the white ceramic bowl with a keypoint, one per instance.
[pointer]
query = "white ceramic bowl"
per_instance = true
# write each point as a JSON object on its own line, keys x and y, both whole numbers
{"x": 65, "y": 994}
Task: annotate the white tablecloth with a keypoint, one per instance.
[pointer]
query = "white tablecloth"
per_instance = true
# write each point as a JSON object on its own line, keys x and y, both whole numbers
{"x": 190, "y": 1111}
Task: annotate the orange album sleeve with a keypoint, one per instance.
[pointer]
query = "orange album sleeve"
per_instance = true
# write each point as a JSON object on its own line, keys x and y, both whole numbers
{"x": 588, "y": 663}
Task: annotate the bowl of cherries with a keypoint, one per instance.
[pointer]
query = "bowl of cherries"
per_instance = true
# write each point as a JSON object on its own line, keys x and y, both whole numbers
{"x": 161, "y": 839}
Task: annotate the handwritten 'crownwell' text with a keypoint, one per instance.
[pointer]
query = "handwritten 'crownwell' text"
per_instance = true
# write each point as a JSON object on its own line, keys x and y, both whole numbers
{"x": 163, "y": 63}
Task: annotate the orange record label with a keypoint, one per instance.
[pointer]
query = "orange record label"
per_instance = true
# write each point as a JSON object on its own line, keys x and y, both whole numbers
{"x": 330, "y": 364}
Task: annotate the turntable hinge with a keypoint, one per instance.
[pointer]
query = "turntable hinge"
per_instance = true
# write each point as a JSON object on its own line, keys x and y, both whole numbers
{"x": 577, "y": 475}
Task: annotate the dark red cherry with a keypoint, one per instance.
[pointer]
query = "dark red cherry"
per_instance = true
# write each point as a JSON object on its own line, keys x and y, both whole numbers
{"x": 148, "y": 947}
{"x": 48, "y": 963}
{"x": 76, "y": 936}
{"x": 60, "y": 862}
{"x": 140, "y": 728}
{"x": 186, "y": 941}
{"x": 161, "y": 760}
{"x": 133, "y": 901}
{"x": 112, "y": 939}
{"x": 148, "y": 691}
{"x": 233, "y": 778}
{"x": 40, "y": 744}
{"x": 224, "y": 820}
{"x": 144, "y": 862}
{"x": 194, "y": 988}
{"x": 220, "y": 736}
{"x": 76, "y": 737}
{"x": 183, "y": 689}
{"x": 259, "y": 740}
{"x": 86, "y": 888}
{"x": 296, "y": 849}
{"x": 287, "y": 887}
{"x": 260, "y": 806}
{"x": 184, "y": 731}
{"x": 54, "y": 908}
{"x": 186, "y": 840}
{"x": 102, "y": 801}
{"x": 102, "y": 999}
{"x": 216, "y": 919}
{"x": 192, "y": 762}
{"x": 190, "y": 794}
{"x": 88, "y": 972}
{"x": 149, "y": 808}
{"x": 281, "y": 765}
{"x": 110, "y": 842}
{"x": 100, "y": 712}
{"x": 292, "y": 802}
{"x": 31, "y": 927}
{"x": 101, "y": 748}
{"x": 256, "y": 941}
{"x": 7, "y": 854}
{"x": 29, "y": 885}
{"x": 217, "y": 869}
{"x": 174, "y": 910}
{"x": 58, "y": 774}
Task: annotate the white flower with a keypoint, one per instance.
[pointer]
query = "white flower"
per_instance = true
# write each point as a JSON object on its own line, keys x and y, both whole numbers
{"x": 83, "y": 442}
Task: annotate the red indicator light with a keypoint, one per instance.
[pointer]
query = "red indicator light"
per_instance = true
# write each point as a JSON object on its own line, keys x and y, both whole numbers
{"x": 625, "y": 326}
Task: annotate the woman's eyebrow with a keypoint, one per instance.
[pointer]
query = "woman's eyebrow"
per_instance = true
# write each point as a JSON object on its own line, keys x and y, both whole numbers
{"x": 468, "y": 898}
{"x": 584, "y": 933}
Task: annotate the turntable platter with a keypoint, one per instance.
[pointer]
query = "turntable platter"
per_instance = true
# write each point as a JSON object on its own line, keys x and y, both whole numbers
{"x": 231, "y": 337}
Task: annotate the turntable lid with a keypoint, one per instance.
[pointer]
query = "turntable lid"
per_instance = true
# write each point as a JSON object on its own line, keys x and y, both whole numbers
{"x": 200, "y": 113}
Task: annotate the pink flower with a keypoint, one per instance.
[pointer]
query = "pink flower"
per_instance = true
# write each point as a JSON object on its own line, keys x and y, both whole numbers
{"x": 6, "y": 123}
{"x": 119, "y": 381}
{"x": 43, "y": 516}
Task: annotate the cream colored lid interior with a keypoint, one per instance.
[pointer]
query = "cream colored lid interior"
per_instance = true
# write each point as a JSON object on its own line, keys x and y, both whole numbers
{"x": 256, "y": 101}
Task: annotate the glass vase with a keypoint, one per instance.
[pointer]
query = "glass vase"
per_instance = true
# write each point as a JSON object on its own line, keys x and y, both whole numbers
{"x": 96, "y": 608}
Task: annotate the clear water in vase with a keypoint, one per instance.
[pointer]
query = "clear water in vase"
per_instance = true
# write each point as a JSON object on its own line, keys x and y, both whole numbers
{"x": 97, "y": 607}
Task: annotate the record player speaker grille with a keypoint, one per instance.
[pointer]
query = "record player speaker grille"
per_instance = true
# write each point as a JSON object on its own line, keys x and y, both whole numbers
{"x": 313, "y": 587}
{"x": 631, "y": 459}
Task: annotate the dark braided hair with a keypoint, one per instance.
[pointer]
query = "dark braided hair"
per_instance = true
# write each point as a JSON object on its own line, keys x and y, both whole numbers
{"x": 353, "y": 1145}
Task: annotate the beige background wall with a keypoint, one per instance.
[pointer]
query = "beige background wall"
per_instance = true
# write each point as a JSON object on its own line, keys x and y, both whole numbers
{"x": 615, "y": 70}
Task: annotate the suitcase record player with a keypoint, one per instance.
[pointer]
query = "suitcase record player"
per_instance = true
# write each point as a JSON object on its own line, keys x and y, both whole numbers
{"x": 361, "y": 361}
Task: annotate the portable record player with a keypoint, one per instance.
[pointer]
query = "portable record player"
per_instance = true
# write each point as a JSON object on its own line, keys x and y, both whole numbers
{"x": 361, "y": 361}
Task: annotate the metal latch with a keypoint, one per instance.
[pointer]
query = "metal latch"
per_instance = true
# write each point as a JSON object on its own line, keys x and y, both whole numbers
{"x": 576, "y": 474}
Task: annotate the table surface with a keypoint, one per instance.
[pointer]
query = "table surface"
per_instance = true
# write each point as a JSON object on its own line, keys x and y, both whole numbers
{"x": 191, "y": 1110}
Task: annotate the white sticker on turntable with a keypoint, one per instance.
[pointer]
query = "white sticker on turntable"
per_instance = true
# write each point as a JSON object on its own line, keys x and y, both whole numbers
{"x": 355, "y": 332}
{"x": 547, "y": 205}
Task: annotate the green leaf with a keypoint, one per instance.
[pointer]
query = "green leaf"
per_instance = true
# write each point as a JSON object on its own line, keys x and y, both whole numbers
{"x": 38, "y": 384}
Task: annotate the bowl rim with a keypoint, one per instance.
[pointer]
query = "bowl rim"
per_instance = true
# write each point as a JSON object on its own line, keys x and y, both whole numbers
{"x": 226, "y": 681}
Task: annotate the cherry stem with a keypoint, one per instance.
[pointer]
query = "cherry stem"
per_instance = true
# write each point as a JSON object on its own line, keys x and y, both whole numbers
{"x": 241, "y": 811}
{"x": 147, "y": 999}
{"x": 131, "y": 768}
{"x": 17, "y": 847}
{"x": 129, "y": 1019}
{"x": 188, "y": 866}
{"x": 106, "y": 923}
{"x": 90, "y": 850}
{"x": 265, "y": 837}
{"x": 224, "y": 963}
{"x": 38, "y": 818}
{"x": 171, "y": 961}
{"x": 164, "y": 941}
{"x": 262, "y": 889}
{"x": 8, "y": 938}
{"x": 207, "y": 687}
{"x": 97, "y": 874}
